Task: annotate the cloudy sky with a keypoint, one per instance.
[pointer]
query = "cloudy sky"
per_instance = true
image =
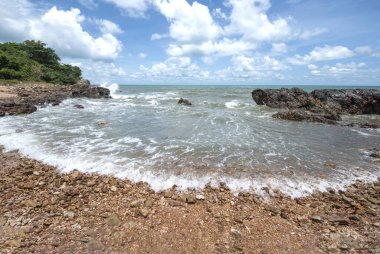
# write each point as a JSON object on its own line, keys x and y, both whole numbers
{"x": 279, "y": 42}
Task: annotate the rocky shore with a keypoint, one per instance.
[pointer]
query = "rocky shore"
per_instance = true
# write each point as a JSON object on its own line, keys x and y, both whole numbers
{"x": 24, "y": 98}
{"x": 322, "y": 106}
{"x": 44, "y": 211}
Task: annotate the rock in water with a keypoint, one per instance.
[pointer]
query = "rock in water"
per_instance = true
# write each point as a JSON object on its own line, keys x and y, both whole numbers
{"x": 283, "y": 98}
{"x": 79, "y": 106}
{"x": 300, "y": 115}
{"x": 184, "y": 102}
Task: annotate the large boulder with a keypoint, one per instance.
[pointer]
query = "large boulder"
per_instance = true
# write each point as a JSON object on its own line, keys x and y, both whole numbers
{"x": 332, "y": 101}
{"x": 351, "y": 101}
{"x": 283, "y": 98}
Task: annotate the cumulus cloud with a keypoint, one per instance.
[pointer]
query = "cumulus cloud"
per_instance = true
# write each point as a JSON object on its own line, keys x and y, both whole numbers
{"x": 108, "y": 27}
{"x": 336, "y": 70}
{"x": 132, "y": 8}
{"x": 188, "y": 23}
{"x": 324, "y": 53}
{"x": 249, "y": 19}
{"x": 156, "y": 36}
{"x": 175, "y": 67}
{"x": 60, "y": 29}
{"x": 99, "y": 72}
{"x": 244, "y": 67}
{"x": 279, "y": 47}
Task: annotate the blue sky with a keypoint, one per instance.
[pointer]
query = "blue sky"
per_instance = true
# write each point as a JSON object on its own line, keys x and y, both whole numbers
{"x": 258, "y": 42}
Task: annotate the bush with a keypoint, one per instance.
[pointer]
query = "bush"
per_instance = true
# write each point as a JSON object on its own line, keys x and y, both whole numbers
{"x": 33, "y": 61}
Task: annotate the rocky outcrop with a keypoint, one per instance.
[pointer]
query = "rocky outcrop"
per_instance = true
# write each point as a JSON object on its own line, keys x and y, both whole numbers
{"x": 338, "y": 101}
{"x": 300, "y": 115}
{"x": 31, "y": 95}
{"x": 184, "y": 102}
{"x": 323, "y": 106}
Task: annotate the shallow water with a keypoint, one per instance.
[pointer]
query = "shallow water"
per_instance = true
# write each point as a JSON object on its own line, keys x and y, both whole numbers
{"x": 142, "y": 134}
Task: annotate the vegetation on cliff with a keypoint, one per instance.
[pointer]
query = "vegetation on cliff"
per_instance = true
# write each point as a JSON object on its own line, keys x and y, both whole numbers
{"x": 34, "y": 61}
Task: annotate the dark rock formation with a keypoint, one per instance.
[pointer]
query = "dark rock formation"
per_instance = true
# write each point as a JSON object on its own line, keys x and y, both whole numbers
{"x": 283, "y": 98}
{"x": 31, "y": 95}
{"x": 323, "y": 106}
{"x": 300, "y": 115}
{"x": 78, "y": 106}
{"x": 184, "y": 102}
{"x": 337, "y": 101}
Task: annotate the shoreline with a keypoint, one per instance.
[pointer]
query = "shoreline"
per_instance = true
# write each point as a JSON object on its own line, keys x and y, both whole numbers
{"x": 45, "y": 210}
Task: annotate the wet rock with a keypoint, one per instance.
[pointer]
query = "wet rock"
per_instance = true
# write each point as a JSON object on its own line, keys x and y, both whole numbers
{"x": 184, "y": 102}
{"x": 283, "y": 98}
{"x": 330, "y": 165}
{"x": 168, "y": 193}
{"x": 79, "y": 106}
{"x": 300, "y": 115}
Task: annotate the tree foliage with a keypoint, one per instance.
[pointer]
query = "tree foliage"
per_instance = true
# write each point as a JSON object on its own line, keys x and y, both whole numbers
{"x": 33, "y": 61}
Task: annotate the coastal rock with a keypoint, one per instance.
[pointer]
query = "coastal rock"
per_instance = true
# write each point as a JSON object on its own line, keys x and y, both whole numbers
{"x": 184, "y": 102}
{"x": 300, "y": 115}
{"x": 79, "y": 106}
{"x": 283, "y": 98}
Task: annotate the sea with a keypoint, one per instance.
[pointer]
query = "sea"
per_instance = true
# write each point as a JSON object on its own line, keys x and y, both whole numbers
{"x": 142, "y": 134}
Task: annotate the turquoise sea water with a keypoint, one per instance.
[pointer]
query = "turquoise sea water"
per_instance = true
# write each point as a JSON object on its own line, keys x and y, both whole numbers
{"x": 144, "y": 135}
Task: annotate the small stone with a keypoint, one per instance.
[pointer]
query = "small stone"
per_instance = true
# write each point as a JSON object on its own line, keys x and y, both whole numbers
{"x": 143, "y": 212}
{"x": 376, "y": 224}
{"x": 339, "y": 220}
{"x": 113, "y": 188}
{"x": 175, "y": 203}
{"x": 19, "y": 130}
{"x": 13, "y": 243}
{"x": 68, "y": 214}
{"x": 95, "y": 245}
{"x": 149, "y": 202}
{"x": 200, "y": 197}
{"x": 272, "y": 209}
{"x": 137, "y": 203}
{"x": 316, "y": 218}
{"x": 343, "y": 246}
{"x": 235, "y": 232}
{"x": 168, "y": 193}
{"x": 113, "y": 220}
{"x": 330, "y": 165}
{"x": 36, "y": 173}
{"x": 190, "y": 199}
{"x": 79, "y": 106}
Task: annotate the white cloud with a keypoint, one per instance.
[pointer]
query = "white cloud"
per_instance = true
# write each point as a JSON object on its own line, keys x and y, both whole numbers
{"x": 364, "y": 50}
{"x": 323, "y": 54}
{"x": 249, "y": 19}
{"x": 175, "y": 67}
{"x": 89, "y": 4}
{"x": 156, "y": 36}
{"x": 188, "y": 23}
{"x": 307, "y": 34}
{"x": 336, "y": 70}
{"x": 218, "y": 13}
{"x": 107, "y": 26}
{"x": 244, "y": 67}
{"x": 133, "y": 8}
{"x": 142, "y": 55}
{"x": 99, "y": 72}
{"x": 60, "y": 29}
{"x": 279, "y": 47}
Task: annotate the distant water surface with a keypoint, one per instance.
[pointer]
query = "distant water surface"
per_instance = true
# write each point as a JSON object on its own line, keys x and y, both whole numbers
{"x": 142, "y": 134}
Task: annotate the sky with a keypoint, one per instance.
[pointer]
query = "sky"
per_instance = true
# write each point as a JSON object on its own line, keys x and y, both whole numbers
{"x": 254, "y": 42}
